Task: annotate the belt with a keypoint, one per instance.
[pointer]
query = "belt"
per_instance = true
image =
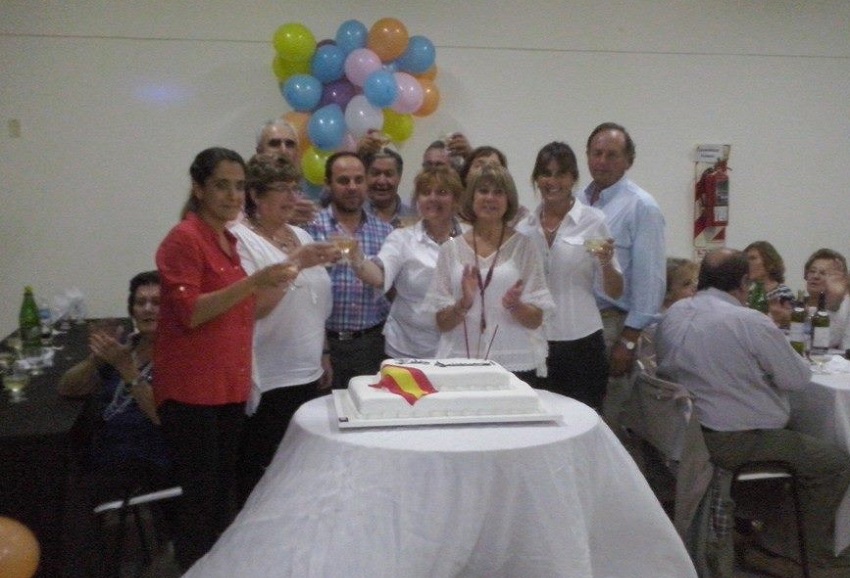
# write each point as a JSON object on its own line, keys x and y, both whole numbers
{"x": 611, "y": 312}
{"x": 349, "y": 335}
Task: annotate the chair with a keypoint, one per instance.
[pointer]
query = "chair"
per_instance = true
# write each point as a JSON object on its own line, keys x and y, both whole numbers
{"x": 133, "y": 503}
{"x": 759, "y": 471}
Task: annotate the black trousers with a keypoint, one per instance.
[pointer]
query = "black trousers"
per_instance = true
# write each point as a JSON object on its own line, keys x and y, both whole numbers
{"x": 204, "y": 441}
{"x": 264, "y": 431}
{"x": 578, "y": 369}
{"x": 359, "y": 356}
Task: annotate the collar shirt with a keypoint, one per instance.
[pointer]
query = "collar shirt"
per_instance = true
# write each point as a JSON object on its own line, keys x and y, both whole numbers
{"x": 356, "y": 305}
{"x": 571, "y": 271}
{"x": 637, "y": 225}
{"x": 402, "y": 210}
{"x": 737, "y": 364}
{"x": 408, "y": 258}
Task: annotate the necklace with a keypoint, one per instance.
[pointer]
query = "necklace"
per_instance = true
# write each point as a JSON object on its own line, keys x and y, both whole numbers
{"x": 453, "y": 232}
{"x": 485, "y": 282}
{"x": 287, "y": 242}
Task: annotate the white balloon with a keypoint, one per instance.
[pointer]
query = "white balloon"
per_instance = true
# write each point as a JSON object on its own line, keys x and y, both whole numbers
{"x": 361, "y": 117}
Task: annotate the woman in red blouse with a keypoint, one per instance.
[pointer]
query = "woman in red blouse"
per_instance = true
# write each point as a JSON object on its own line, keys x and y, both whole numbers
{"x": 203, "y": 348}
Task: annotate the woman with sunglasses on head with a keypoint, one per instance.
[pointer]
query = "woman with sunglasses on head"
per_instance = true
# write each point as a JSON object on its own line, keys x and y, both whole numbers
{"x": 489, "y": 290}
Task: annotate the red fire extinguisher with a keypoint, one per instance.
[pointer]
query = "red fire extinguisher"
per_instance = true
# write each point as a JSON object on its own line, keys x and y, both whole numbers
{"x": 712, "y": 196}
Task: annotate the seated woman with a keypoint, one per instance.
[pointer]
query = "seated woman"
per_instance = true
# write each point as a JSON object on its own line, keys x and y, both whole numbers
{"x": 825, "y": 272}
{"x": 124, "y": 451}
{"x": 767, "y": 268}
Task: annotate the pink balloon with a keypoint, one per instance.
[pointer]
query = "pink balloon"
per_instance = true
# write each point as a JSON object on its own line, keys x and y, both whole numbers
{"x": 360, "y": 64}
{"x": 410, "y": 93}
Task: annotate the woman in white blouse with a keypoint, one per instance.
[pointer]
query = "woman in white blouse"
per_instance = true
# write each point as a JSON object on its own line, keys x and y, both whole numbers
{"x": 489, "y": 290}
{"x": 406, "y": 264}
{"x": 559, "y": 228}
{"x": 290, "y": 367}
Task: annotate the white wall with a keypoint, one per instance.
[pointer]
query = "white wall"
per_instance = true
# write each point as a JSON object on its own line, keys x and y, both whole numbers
{"x": 115, "y": 98}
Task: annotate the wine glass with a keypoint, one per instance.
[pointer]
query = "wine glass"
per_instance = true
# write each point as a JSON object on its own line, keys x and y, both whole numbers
{"x": 819, "y": 359}
{"x": 345, "y": 243}
{"x": 14, "y": 381}
{"x": 595, "y": 244}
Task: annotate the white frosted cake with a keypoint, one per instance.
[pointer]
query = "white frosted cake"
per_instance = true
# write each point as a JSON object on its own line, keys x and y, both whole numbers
{"x": 407, "y": 388}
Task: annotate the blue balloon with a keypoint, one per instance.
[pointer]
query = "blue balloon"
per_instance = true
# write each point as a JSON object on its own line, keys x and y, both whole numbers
{"x": 418, "y": 57}
{"x": 302, "y": 92}
{"x": 328, "y": 63}
{"x": 380, "y": 89}
{"x": 350, "y": 35}
{"x": 327, "y": 127}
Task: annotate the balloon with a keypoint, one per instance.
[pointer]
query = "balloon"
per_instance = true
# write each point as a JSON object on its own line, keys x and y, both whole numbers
{"x": 380, "y": 89}
{"x": 430, "y": 74}
{"x": 313, "y": 165}
{"x": 283, "y": 69}
{"x": 328, "y": 63}
{"x": 419, "y": 56}
{"x": 360, "y": 64}
{"x": 410, "y": 94}
{"x": 337, "y": 92}
{"x": 19, "y": 550}
{"x": 313, "y": 191}
{"x": 431, "y": 100}
{"x": 388, "y": 39}
{"x": 351, "y": 35}
{"x": 299, "y": 121}
{"x": 361, "y": 117}
{"x": 397, "y": 126}
{"x": 302, "y": 92}
{"x": 294, "y": 42}
{"x": 327, "y": 127}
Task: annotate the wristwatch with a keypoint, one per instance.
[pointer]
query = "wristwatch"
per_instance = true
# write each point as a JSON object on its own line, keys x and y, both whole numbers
{"x": 630, "y": 345}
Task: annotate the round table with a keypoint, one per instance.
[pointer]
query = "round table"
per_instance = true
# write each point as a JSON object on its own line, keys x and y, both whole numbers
{"x": 546, "y": 499}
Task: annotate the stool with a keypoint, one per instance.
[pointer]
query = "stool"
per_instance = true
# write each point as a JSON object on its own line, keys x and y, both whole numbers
{"x": 776, "y": 470}
{"x": 134, "y": 503}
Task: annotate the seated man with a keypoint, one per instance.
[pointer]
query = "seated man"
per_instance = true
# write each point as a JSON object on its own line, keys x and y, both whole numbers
{"x": 739, "y": 367}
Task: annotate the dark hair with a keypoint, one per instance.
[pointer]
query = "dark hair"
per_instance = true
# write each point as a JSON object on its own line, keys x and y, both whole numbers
{"x": 439, "y": 145}
{"x": 723, "y": 269}
{"x": 202, "y": 169}
{"x": 559, "y": 152}
{"x": 823, "y": 253}
{"x": 482, "y": 151}
{"x": 333, "y": 158}
{"x": 262, "y": 171}
{"x": 501, "y": 179}
{"x": 382, "y": 153}
{"x": 442, "y": 176}
{"x": 773, "y": 263}
{"x": 630, "y": 144}
{"x": 140, "y": 280}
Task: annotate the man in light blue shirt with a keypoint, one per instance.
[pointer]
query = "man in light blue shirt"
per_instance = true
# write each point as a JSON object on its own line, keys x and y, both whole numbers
{"x": 637, "y": 225}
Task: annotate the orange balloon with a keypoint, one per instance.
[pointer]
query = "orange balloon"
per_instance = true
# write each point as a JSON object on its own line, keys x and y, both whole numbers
{"x": 19, "y": 550}
{"x": 299, "y": 121}
{"x": 429, "y": 74}
{"x": 388, "y": 39}
{"x": 431, "y": 100}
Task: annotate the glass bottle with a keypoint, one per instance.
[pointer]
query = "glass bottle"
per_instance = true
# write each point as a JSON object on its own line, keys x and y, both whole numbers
{"x": 29, "y": 322}
{"x": 758, "y": 297}
{"x": 820, "y": 328}
{"x": 797, "y": 330}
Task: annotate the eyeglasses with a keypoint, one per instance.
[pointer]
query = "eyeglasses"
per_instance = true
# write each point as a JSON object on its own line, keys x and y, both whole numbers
{"x": 288, "y": 143}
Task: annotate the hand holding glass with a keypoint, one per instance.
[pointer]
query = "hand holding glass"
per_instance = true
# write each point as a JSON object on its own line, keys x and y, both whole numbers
{"x": 14, "y": 382}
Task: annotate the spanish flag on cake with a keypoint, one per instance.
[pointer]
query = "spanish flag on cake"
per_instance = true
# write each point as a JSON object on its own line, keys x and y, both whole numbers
{"x": 408, "y": 382}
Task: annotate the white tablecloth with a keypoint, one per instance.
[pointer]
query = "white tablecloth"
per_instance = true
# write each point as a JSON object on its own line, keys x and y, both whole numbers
{"x": 509, "y": 500}
{"x": 823, "y": 411}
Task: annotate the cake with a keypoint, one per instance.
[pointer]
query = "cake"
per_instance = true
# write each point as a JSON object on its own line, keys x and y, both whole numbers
{"x": 406, "y": 388}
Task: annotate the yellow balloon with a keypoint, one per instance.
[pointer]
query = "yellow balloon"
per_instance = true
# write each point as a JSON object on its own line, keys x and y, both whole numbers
{"x": 283, "y": 69}
{"x": 313, "y": 164}
{"x": 397, "y": 126}
{"x": 19, "y": 550}
{"x": 294, "y": 41}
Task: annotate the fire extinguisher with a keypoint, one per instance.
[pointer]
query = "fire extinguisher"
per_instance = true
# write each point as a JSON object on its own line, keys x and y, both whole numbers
{"x": 712, "y": 195}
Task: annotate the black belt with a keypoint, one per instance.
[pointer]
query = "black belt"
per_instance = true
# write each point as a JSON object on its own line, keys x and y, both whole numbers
{"x": 349, "y": 335}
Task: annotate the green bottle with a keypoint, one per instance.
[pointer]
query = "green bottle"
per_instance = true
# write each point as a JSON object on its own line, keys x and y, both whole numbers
{"x": 29, "y": 322}
{"x": 820, "y": 328}
{"x": 797, "y": 331}
{"x": 758, "y": 297}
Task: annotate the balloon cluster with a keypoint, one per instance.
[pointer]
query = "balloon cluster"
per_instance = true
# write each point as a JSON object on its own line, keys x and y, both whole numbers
{"x": 362, "y": 80}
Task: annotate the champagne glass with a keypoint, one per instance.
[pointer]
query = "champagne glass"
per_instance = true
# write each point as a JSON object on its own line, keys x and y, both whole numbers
{"x": 595, "y": 244}
{"x": 14, "y": 382}
{"x": 819, "y": 359}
